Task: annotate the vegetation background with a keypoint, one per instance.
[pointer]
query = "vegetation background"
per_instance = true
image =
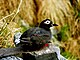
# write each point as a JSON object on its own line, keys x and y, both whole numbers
{"x": 19, "y": 15}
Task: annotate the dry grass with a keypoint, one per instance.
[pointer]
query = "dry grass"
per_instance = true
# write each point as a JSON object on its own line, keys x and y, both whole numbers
{"x": 12, "y": 12}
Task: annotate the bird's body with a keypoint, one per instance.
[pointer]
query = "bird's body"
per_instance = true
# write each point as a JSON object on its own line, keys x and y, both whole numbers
{"x": 37, "y": 37}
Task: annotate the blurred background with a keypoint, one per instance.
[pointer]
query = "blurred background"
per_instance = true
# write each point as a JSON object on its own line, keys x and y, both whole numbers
{"x": 20, "y": 15}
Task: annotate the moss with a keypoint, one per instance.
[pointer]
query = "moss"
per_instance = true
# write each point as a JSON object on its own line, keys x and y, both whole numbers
{"x": 63, "y": 35}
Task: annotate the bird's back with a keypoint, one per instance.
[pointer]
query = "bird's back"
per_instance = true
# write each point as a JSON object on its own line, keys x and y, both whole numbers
{"x": 35, "y": 38}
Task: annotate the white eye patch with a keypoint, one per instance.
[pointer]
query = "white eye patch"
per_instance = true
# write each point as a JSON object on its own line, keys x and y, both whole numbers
{"x": 47, "y": 22}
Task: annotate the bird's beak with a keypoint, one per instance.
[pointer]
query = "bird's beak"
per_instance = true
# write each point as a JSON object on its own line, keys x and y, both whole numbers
{"x": 54, "y": 25}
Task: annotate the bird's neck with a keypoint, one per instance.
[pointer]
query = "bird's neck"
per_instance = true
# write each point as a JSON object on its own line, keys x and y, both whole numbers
{"x": 46, "y": 28}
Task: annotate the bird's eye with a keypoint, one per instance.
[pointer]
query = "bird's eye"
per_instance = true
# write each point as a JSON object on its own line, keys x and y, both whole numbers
{"x": 47, "y": 22}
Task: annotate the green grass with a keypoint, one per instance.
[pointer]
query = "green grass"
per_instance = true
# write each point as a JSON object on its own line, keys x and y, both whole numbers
{"x": 63, "y": 35}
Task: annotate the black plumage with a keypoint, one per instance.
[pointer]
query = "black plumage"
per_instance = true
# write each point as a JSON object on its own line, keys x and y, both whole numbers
{"x": 35, "y": 38}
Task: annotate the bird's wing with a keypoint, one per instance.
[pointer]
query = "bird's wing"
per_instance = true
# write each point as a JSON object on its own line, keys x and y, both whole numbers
{"x": 25, "y": 37}
{"x": 35, "y": 34}
{"x": 40, "y": 34}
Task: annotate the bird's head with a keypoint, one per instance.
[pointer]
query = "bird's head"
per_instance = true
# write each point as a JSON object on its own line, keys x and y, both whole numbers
{"x": 46, "y": 24}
